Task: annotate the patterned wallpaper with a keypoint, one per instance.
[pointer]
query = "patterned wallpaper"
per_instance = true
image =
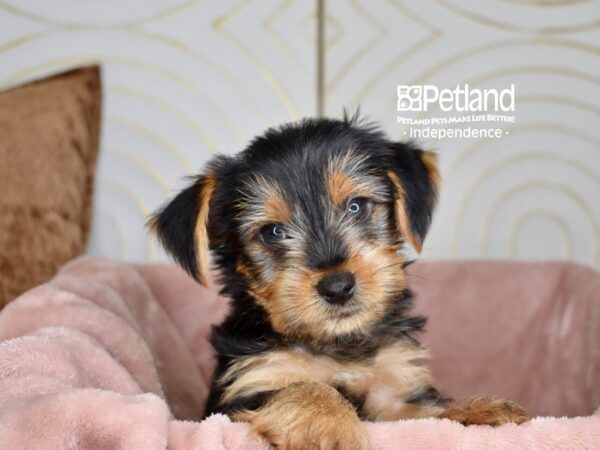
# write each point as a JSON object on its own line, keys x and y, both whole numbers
{"x": 184, "y": 80}
{"x": 188, "y": 78}
{"x": 534, "y": 193}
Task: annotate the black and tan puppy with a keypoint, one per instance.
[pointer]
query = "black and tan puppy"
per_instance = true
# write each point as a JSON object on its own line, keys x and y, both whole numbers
{"x": 307, "y": 226}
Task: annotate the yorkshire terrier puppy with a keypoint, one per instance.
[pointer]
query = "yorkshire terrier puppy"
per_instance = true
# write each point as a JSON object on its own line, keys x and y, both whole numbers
{"x": 307, "y": 227}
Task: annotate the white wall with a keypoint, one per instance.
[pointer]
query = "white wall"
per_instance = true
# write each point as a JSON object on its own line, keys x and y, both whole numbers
{"x": 185, "y": 79}
{"x": 534, "y": 193}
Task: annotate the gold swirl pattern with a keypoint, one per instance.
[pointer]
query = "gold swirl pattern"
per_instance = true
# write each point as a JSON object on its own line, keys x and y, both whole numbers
{"x": 476, "y": 12}
{"x": 527, "y": 156}
{"x": 175, "y": 93}
{"x": 31, "y": 11}
{"x": 573, "y": 196}
{"x": 188, "y": 78}
{"x": 536, "y": 213}
{"x": 544, "y": 47}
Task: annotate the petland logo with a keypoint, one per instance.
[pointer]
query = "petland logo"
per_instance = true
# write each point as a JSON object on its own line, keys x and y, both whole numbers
{"x": 471, "y": 106}
{"x": 418, "y": 98}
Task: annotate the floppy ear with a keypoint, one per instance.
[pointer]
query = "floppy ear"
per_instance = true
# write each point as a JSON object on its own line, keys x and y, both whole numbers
{"x": 416, "y": 180}
{"x": 182, "y": 226}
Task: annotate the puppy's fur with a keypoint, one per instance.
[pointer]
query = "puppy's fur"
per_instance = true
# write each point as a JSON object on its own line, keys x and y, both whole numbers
{"x": 306, "y": 226}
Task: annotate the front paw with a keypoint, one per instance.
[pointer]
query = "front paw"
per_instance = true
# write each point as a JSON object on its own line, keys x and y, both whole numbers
{"x": 308, "y": 416}
{"x": 485, "y": 411}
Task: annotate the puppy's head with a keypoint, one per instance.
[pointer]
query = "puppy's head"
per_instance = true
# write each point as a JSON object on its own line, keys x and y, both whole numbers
{"x": 310, "y": 220}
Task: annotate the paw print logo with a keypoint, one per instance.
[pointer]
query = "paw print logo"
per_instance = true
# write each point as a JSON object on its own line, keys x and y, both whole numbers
{"x": 409, "y": 98}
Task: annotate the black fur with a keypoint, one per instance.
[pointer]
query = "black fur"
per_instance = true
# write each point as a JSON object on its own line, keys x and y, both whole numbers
{"x": 420, "y": 196}
{"x": 427, "y": 396}
{"x": 175, "y": 225}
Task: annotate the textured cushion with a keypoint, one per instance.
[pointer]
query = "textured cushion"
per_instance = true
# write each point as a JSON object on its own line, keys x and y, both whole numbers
{"x": 108, "y": 355}
{"x": 49, "y": 132}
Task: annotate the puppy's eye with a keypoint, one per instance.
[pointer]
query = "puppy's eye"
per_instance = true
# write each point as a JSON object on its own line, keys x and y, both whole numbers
{"x": 273, "y": 232}
{"x": 359, "y": 207}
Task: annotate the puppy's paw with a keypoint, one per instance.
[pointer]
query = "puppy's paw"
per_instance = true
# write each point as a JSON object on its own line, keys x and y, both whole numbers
{"x": 485, "y": 411}
{"x": 308, "y": 416}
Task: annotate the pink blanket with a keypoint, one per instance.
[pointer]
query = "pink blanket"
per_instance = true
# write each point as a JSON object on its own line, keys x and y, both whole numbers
{"x": 112, "y": 355}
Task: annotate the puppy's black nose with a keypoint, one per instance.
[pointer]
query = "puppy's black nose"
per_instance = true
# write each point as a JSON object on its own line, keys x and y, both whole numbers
{"x": 337, "y": 287}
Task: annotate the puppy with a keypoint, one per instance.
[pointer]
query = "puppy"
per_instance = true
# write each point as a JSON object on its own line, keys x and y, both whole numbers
{"x": 307, "y": 227}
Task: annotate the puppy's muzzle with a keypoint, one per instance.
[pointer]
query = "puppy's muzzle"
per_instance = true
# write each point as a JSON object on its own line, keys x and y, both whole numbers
{"x": 337, "y": 287}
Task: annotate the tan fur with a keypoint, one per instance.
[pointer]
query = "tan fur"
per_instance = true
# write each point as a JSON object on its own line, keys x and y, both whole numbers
{"x": 402, "y": 218}
{"x": 295, "y": 308}
{"x": 410, "y": 411}
{"x": 345, "y": 180}
{"x": 263, "y": 203}
{"x": 430, "y": 162}
{"x": 306, "y": 416}
{"x": 485, "y": 410}
{"x": 264, "y": 291}
{"x": 399, "y": 370}
{"x": 341, "y": 187}
{"x": 201, "y": 229}
{"x": 276, "y": 209}
{"x": 383, "y": 381}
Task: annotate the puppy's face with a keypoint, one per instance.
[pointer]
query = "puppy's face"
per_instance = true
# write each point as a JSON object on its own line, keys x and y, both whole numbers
{"x": 313, "y": 216}
{"x": 319, "y": 239}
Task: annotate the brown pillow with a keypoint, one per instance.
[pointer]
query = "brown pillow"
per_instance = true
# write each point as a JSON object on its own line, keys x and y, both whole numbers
{"x": 49, "y": 132}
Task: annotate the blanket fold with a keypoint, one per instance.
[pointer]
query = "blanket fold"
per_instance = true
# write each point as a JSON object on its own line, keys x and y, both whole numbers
{"x": 112, "y": 355}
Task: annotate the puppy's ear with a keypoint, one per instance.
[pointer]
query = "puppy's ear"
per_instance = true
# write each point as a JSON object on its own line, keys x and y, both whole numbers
{"x": 416, "y": 181}
{"x": 182, "y": 226}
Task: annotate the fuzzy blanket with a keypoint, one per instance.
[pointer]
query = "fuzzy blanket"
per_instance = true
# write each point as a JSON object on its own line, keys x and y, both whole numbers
{"x": 110, "y": 355}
